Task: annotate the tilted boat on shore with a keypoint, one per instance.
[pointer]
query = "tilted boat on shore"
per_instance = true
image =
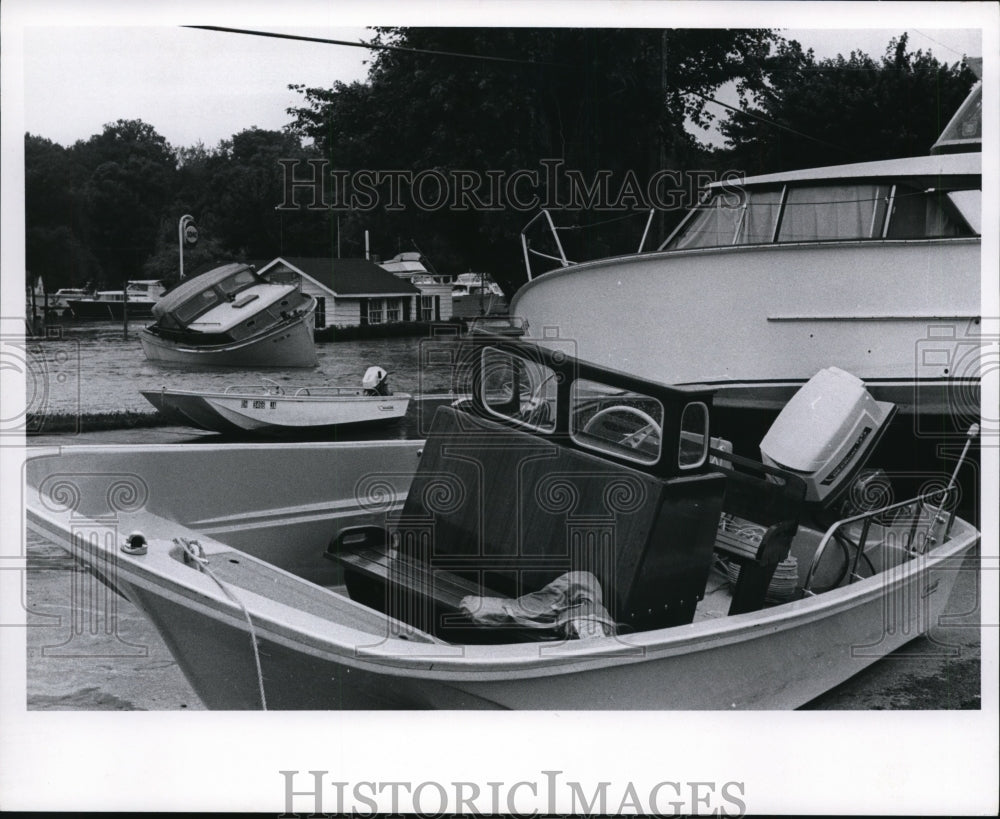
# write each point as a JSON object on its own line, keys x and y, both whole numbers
{"x": 568, "y": 537}
{"x": 231, "y": 317}
{"x": 873, "y": 267}
{"x": 270, "y": 409}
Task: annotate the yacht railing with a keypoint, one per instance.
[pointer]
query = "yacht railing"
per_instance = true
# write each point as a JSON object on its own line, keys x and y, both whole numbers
{"x": 562, "y": 258}
{"x": 528, "y": 252}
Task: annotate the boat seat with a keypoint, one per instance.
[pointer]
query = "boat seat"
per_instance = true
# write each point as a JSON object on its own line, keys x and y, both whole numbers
{"x": 506, "y": 512}
{"x": 414, "y": 593}
{"x": 770, "y": 498}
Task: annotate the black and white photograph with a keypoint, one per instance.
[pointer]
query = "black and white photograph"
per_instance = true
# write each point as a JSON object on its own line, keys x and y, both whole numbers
{"x": 370, "y": 369}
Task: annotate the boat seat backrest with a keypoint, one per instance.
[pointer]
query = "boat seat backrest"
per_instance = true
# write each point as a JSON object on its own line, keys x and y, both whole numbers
{"x": 513, "y": 511}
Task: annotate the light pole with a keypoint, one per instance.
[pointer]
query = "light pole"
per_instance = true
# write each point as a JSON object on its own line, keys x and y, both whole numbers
{"x": 186, "y": 232}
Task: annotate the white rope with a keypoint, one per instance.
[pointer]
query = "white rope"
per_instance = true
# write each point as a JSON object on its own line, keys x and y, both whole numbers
{"x": 194, "y": 550}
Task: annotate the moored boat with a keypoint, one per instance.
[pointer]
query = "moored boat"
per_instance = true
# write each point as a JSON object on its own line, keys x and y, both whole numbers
{"x": 873, "y": 267}
{"x": 231, "y": 317}
{"x": 476, "y": 294}
{"x": 270, "y": 409}
{"x": 563, "y": 539}
{"x": 136, "y": 301}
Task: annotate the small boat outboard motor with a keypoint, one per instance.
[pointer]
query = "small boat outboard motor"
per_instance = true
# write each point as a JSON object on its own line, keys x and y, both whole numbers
{"x": 376, "y": 381}
{"x": 826, "y": 433}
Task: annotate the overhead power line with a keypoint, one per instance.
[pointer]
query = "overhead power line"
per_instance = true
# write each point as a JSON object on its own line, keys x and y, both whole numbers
{"x": 489, "y": 58}
{"x": 376, "y": 46}
{"x": 765, "y": 120}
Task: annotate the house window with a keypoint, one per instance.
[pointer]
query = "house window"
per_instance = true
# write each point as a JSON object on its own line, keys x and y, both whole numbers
{"x": 392, "y": 310}
{"x": 320, "y": 314}
{"x": 375, "y": 307}
{"x": 426, "y": 308}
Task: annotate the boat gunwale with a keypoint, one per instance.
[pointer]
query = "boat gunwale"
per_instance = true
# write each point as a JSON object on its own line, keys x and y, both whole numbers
{"x": 658, "y": 255}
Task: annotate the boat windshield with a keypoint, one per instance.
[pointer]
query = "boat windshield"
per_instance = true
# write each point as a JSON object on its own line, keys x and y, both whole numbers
{"x": 237, "y": 282}
{"x": 831, "y": 212}
{"x": 195, "y": 306}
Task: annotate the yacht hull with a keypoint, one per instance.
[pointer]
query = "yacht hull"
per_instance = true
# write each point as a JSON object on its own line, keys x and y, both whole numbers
{"x": 757, "y": 322}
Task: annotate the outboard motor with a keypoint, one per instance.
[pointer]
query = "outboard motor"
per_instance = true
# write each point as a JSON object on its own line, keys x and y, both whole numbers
{"x": 826, "y": 433}
{"x": 376, "y": 381}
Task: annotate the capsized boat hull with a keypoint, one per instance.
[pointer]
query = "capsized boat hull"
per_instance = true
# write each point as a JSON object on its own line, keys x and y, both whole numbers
{"x": 320, "y": 650}
{"x": 270, "y": 413}
{"x": 288, "y": 344}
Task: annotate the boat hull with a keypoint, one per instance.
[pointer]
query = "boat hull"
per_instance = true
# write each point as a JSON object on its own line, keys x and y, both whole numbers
{"x": 780, "y": 665}
{"x": 271, "y": 414}
{"x": 289, "y": 344}
{"x": 92, "y": 310}
{"x": 320, "y": 650}
{"x": 757, "y": 322}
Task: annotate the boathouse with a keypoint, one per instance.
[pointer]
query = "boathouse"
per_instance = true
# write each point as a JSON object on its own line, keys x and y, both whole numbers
{"x": 352, "y": 292}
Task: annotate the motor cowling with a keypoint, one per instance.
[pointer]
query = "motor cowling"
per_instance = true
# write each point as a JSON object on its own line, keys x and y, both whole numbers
{"x": 375, "y": 381}
{"x": 826, "y": 433}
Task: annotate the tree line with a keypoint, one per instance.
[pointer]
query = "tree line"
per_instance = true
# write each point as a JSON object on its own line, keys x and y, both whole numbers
{"x": 457, "y": 135}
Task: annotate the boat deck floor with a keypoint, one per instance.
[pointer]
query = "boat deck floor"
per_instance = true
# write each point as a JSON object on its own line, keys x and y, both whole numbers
{"x": 332, "y": 602}
{"x": 718, "y": 596}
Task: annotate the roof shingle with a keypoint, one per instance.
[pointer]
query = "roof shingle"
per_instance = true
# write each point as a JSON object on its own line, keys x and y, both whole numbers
{"x": 351, "y": 277}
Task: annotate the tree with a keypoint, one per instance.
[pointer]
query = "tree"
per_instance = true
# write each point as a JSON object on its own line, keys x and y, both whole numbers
{"x": 129, "y": 185}
{"x": 244, "y": 185}
{"x": 594, "y": 101}
{"x": 849, "y": 109}
{"x": 55, "y": 225}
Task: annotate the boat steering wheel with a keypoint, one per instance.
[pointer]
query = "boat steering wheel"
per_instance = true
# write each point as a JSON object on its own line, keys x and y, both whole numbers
{"x": 632, "y": 439}
{"x": 533, "y": 411}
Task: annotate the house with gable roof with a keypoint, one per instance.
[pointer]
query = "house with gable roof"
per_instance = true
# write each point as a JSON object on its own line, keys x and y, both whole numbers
{"x": 351, "y": 292}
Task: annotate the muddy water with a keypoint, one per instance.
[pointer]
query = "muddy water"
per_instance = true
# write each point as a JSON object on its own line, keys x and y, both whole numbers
{"x": 93, "y": 368}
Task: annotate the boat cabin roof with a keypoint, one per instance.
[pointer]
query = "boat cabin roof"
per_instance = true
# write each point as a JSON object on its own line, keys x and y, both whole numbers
{"x": 226, "y": 314}
{"x": 931, "y": 167}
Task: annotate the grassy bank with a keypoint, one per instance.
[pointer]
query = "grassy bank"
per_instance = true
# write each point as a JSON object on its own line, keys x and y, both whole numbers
{"x": 53, "y": 422}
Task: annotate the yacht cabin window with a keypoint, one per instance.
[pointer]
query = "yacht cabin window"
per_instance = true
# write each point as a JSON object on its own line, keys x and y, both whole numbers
{"x": 832, "y": 212}
{"x": 234, "y": 284}
{"x": 194, "y": 307}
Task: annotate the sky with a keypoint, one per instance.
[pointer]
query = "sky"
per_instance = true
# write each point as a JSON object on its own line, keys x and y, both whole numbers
{"x": 203, "y": 86}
